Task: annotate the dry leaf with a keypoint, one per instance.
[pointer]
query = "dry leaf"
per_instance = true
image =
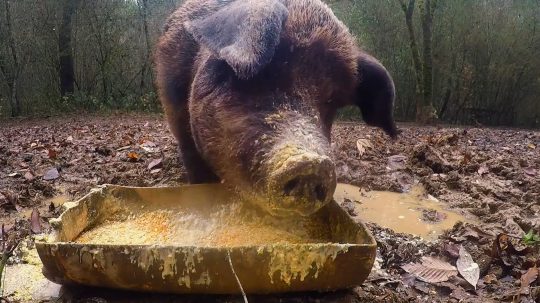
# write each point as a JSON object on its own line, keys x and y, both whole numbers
{"x": 69, "y": 139}
{"x": 28, "y": 176}
{"x": 397, "y": 162}
{"x": 132, "y": 156}
{"x": 490, "y": 279}
{"x": 51, "y": 174}
{"x": 531, "y": 146}
{"x": 431, "y": 270}
{"x": 149, "y": 147}
{"x": 466, "y": 266}
{"x": 35, "y": 224}
{"x": 52, "y": 153}
{"x": 452, "y": 249}
{"x": 527, "y": 279}
{"x": 362, "y": 145}
{"x": 13, "y": 174}
{"x": 155, "y": 164}
{"x": 529, "y": 171}
{"x": 155, "y": 171}
{"x": 483, "y": 170}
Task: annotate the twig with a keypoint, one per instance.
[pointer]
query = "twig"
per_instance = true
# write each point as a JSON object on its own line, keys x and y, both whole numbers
{"x": 237, "y": 279}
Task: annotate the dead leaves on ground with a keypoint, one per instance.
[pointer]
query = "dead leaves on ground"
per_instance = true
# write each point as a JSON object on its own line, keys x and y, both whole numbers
{"x": 431, "y": 270}
{"x": 51, "y": 174}
{"x": 527, "y": 279}
{"x": 468, "y": 269}
{"x": 523, "y": 261}
{"x": 155, "y": 164}
{"x": 35, "y": 222}
{"x": 434, "y": 270}
{"x": 133, "y": 156}
{"x": 362, "y": 145}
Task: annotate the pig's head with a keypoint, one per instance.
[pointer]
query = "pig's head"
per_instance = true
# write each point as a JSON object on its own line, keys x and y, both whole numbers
{"x": 264, "y": 95}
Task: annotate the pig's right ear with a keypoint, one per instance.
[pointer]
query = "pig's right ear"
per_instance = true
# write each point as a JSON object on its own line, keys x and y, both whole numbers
{"x": 375, "y": 95}
{"x": 243, "y": 33}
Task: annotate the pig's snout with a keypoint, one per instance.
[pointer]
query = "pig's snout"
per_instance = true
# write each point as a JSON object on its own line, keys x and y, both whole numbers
{"x": 309, "y": 178}
{"x": 303, "y": 183}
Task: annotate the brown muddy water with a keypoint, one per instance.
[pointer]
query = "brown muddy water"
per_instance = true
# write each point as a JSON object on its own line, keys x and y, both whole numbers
{"x": 413, "y": 213}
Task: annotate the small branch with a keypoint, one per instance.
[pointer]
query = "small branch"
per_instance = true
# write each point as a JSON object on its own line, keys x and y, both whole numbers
{"x": 237, "y": 279}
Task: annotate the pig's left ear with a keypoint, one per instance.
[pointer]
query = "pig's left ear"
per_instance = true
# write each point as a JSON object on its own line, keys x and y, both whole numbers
{"x": 243, "y": 33}
{"x": 375, "y": 94}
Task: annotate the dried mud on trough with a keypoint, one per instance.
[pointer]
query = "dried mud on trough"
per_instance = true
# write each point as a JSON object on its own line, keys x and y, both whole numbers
{"x": 489, "y": 177}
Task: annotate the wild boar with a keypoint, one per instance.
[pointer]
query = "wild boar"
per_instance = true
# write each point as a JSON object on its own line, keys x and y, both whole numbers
{"x": 251, "y": 88}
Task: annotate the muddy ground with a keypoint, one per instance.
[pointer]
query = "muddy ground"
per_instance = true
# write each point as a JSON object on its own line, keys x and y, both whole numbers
{"x": 490, "y": 175}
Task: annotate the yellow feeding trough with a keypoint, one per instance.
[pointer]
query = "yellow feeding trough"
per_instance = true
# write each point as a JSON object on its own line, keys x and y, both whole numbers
{"x": 202, "y": 239}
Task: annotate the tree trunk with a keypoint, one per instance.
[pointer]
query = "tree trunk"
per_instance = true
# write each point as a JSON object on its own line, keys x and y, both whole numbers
{"x": 67, "y": 70}
{"x": 14, "y": 99}
{"x": 408, "y": 9}
{"x": 425, "y": 112}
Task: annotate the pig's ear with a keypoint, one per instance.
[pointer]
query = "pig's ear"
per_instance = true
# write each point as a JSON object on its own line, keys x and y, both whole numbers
{"x": 243, "y": 33}
{"x": 375, "y": 94}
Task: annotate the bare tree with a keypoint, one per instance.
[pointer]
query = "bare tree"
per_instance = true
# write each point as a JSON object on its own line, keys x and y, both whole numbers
{"x": 66, "y": 64}
{"x": 11, "y": 73}
{"x": 425, "y": 112}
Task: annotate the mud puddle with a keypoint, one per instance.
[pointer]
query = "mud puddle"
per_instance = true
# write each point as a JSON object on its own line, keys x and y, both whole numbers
{"x": 412, "y": 213}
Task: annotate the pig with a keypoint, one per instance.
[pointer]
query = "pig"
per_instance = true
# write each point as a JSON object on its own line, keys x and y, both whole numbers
{"x": 250, "y": 89}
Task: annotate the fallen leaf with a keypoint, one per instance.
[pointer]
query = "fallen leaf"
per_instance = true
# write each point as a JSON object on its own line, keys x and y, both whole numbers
{"x": 452, "y": 249}
{"x": 155, "y": 171}
{"x": 132, "y": 156}
{"x": 156, "y": 163}
{"x": 483, "y": 170}
{"x": 149, "y": 147}
{"x": 51, "y": 174}
{"x": 362, "y": 145}
{"x": 431, "y": 270}
{"x": 28, "y": 176}
{"x": 471, "y": 231}
{"x": 15, "y": 174}
{"x": 459, "y": 294}
{"x": 529, "y": 171}
{"x": 148, "y": 143}
{"x": 397, "y": 162}
{"x": 449, "y": 139}
{"x": 35, "y": 223}
{"x": 467, "y": 157}
{"x": 490, "y": 279}
{"x": 52, "y": 154}
{"x": 69, "y": 139}
{"x": 527, "y": 279}
{"x": 531, "y": 146}
{"x": 466, "y": 266}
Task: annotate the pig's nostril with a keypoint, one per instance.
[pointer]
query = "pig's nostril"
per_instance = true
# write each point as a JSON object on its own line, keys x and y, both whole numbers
{"x": 290, "y": 186}
{"x": 320, "y": 192}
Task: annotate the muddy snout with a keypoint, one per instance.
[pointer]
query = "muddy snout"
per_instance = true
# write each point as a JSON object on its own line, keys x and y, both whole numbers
{"x": 302, "y": 183}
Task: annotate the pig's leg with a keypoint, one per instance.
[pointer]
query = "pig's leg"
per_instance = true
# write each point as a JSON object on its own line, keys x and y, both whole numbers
{"x": 197, "y": 169}
{"x": 174, "y": 61}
